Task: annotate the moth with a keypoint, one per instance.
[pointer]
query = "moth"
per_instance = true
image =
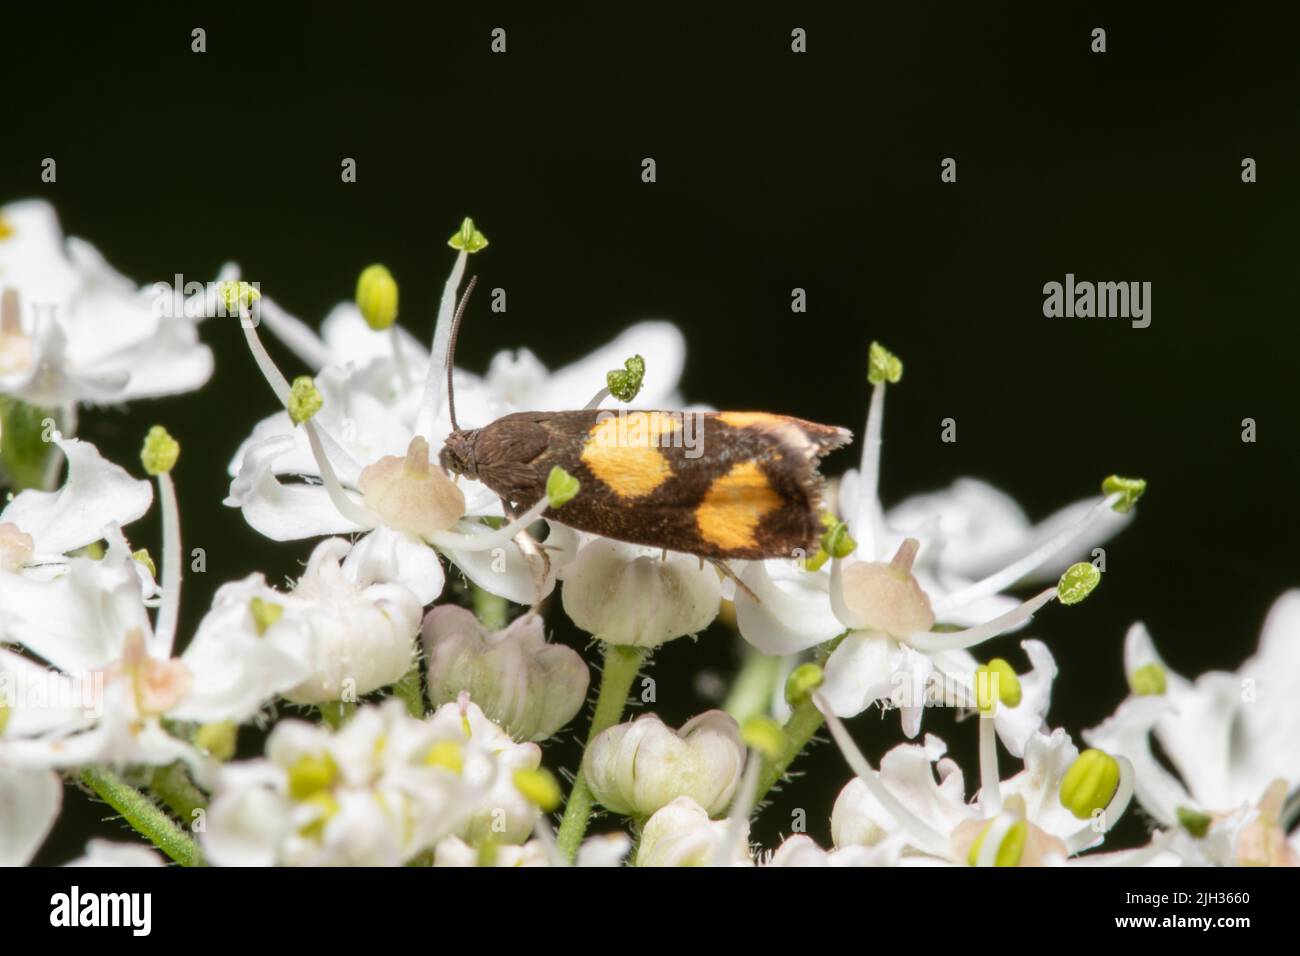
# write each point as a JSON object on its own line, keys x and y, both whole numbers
{"x": 746, "y": 485}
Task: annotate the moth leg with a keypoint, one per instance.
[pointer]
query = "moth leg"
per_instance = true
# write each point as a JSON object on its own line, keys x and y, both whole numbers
{"x": 539, "y": 562}
{"x": 727, "y": 571}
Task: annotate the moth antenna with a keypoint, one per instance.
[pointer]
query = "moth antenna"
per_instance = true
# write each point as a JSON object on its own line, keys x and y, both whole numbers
{"x": 451, "y": 350}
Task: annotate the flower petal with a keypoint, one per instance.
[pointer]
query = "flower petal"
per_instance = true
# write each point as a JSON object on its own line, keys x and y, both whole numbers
{"x": 95, "y": 495}
{"x": 31, "y": 800}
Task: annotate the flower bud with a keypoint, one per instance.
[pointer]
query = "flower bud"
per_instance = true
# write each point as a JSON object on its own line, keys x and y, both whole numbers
{"x": 681, "y": 834}
{"x": 638, "y": 767}
{"x": 624, "y": 596}
{"x": 529, "y": 687}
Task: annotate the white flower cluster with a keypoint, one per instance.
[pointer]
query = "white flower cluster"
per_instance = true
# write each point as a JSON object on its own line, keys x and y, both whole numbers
{"x": 420, "y": 725}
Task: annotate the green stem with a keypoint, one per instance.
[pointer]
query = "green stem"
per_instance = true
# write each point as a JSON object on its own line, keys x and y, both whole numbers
{"x": 804, "y": 721}
{"x": 336, "y": 712}
{"x": 173, "y": 786}
{"x": 622, "y": 664}
{"x": 490, "y": 609}
{"x": 143, "y": 814}
{"x": 751, "y": 694}
{"x": 409, "y": 691}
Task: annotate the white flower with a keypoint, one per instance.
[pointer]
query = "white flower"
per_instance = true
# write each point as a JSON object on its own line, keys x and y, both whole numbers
{"x": 637, "y": 767}
{"x": 919, "y": 797}
{"x": 889, "y": 604}
{"x": 681, "y": 834}
{"x": 30, "y": 799}
{"x": 502, "y": 813}
{"x": 1230, "y": 738}
{"x": 348, "y": 637}
{"x": 112, "y": 681}
{"x": 623, "y": 594}
{"x": 377, "y": 792}
{"x": 72, "y": 330}
{"x": 529, "y": 687}
{"x": 39, "y": 528}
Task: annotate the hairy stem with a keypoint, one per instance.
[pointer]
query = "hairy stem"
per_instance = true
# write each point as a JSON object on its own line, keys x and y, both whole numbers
{"x": 143, "y": 814}
{"x": 621, "y": 667}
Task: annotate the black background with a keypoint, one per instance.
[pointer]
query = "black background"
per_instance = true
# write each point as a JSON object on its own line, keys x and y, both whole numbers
{"x": 775, "y": 170}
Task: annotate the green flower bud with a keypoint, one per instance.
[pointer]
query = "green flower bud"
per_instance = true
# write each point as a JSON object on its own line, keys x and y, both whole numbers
{"x": 1131, "y": 488}
{"x": 311, "y": 775}
{"x": 561, "y": 487}
{"x": 160, "y": 451}
{"x": 377, "y": 297}
{"x": 1010, "y": 850}
{"x": 304, "y": 399}
{"x": 625, "y": 383}
{"x": 1194, "y": 821}
{"x": 1090, "y": 783}
{"x": 1148, "y": 680}
{"x": 143, "y": 557}
{"x": 803, "y": 680}
{"x": 468, "y": 238}
{"x": 764, "y": 735}
{"x": 837, "y": 542}
{"x": 265, "y": 614}
{"x": 539, "y": 787}
{"x": 1077, "y": 583}
{"x": 218, "y": 739}
{"x": 883, "y": 366}
{"x": 997, "y": 675}
{"x": 237, "y": 296}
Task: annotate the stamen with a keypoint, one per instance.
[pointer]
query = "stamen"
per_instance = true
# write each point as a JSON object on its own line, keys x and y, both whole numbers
{"x": 1090, "y": 834}
{"x": 960, "y": 640}
{"x": 169, "y": 609}
{"x": 999, "y": 581}
{"x": 863, "y": 523}
{"x": 358, "y": 514}
{"x": 295, "y": 334}
{"x": 502, "y": 536}
{"x": 990, "y": 781}
{"x": 926, "y": 837}
{"x": 431, "y": 404}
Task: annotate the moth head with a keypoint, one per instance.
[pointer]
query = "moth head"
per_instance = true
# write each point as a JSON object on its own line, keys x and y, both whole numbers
{"x": 458, "y": 454}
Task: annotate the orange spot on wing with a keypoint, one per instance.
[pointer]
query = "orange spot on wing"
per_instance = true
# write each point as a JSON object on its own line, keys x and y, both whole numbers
{"x": 621, "y": 451}
{"x": 734, "y": 505}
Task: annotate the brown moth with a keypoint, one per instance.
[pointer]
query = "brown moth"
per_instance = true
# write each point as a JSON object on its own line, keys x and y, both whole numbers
{"x": 719, "y": 485}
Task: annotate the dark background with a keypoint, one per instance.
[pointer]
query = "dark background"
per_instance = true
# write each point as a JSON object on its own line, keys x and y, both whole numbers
{"x": 775, "y": 170}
